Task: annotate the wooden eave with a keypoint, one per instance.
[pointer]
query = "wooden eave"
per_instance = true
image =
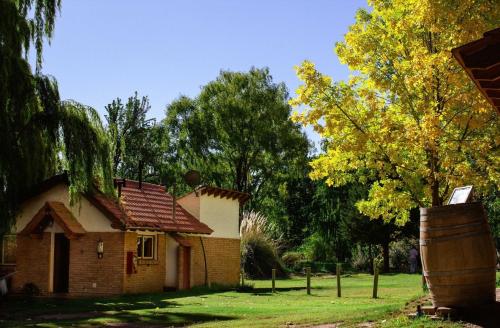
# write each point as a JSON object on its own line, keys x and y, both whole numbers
{"x": 481, "y": 60}
{"x": 60, "y": 215}
{"x": 242, "y": 197}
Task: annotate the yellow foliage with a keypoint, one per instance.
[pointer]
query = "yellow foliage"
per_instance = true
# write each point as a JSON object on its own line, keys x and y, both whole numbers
{"x": 409, "y": 117}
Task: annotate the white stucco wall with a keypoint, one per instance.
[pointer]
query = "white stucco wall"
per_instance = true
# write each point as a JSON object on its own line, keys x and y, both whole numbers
{"x": 190, "y": 203}
{"x": 89, "y": 216}
{"x": 171, "y": 278}
{"x": 221, "y": 215}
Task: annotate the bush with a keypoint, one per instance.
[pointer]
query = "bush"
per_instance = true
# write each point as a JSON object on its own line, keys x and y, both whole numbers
{"x": 399, "y": 252}
{"x": 259, "y": 252}
{"x": 316, "y": 248}
{"x": 293, "y": 260}
{"x": 361, "y": 260}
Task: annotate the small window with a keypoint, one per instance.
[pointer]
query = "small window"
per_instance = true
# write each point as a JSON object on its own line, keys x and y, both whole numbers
{"x": 146, "y": 247}
{"x": 8, "y": 249}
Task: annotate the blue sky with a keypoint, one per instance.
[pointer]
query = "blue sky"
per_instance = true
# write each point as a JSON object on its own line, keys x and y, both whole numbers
{"x": 102, "y": 50}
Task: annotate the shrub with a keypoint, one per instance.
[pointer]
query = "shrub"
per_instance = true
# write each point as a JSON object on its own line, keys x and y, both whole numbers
{"x": 259, "y": 252}
{"x": 293, "y": 260}
{"x": 361, "y": 259}
{"x": 316, "y": 248}
{"x": 399, "y": 252}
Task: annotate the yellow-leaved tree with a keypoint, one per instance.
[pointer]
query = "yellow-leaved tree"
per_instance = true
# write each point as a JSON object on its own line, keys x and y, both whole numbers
{"x": 409, "y": 121}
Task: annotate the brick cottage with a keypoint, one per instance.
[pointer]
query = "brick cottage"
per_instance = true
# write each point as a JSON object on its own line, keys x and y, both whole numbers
{"x": 138, "y": 244}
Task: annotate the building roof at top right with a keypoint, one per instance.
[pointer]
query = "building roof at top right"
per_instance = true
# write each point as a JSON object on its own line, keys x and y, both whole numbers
{"x": 481, "y": 60}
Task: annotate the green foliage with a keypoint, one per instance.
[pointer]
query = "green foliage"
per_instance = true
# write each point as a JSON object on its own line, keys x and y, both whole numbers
{"x": 399, "y": 252}
{"x": 134, "y": 139}
{"x": 362, "y": 257}
{"x": 259, "y": 252}
{"x": 492, "y": 205}
{"x": 293, "y": 259}
{"x": 41, "y": 135}
{"x": 237, "y": 133}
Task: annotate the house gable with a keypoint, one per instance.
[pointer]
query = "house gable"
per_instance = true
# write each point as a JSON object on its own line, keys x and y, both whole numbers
{"x": 216, "y": 207}
{"x": 220, "y": 214}
{"x": 54, "y": 212}
{"x": 86, "y": 214}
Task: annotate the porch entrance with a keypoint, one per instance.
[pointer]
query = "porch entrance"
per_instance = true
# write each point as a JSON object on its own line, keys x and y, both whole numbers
{"x": 61, "y": 263}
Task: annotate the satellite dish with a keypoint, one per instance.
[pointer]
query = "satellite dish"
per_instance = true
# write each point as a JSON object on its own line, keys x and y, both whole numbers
{"x": 192, "y": 178}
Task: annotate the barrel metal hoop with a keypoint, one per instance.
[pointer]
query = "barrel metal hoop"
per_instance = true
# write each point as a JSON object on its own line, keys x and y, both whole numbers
{"x": 458, "y": 272}
{"x": 424, "y": 242}
{"x": 454, "y": 227}
{"x": 472, "y": 284}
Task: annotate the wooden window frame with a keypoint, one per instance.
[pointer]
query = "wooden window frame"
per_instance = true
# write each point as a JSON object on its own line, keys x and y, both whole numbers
{"x": 154, "y": 245}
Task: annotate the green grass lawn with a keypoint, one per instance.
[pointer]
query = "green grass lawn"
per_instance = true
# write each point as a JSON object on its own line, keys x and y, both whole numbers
{"x": 290, "y": 305}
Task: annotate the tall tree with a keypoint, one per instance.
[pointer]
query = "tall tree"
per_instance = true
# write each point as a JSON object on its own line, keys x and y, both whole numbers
{"x": 237, "y": 132}
{"x": 41, "y": 135}
{"x": 135, "y": 140}
{"x": 409, "y": 117}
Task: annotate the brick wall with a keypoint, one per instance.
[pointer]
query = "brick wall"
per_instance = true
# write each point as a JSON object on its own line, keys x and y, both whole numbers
{"x": 89, "y": 275}
{"x": 223, "y": 261}
{"x": 150, "y": 275}
{"x": 32, "y": 262}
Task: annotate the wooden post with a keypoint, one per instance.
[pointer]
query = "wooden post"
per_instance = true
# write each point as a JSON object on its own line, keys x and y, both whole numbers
{"x": 375, "y": 278}
{"x": 308, "y": 275}
{"x": 242, "y": 278}
{"x": 274, "y": 278}
{"x": 339, "y": 293}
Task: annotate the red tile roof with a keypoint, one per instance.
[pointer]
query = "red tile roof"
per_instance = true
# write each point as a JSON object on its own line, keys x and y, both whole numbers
{"x": 152, "y": 207}
{"x": 147, "y": 208}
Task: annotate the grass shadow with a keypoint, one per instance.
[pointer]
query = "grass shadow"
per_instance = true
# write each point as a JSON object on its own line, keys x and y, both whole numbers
{"x": 15, "y": 306}
{"x": 139, "y": 318}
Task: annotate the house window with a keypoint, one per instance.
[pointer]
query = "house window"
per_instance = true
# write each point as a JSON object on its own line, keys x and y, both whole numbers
{"x": 146, "y": 247}
{"x": 8, "y": 249}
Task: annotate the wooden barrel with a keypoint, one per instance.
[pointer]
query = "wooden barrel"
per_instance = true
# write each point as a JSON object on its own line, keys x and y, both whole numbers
{"x": 458, "y": 255}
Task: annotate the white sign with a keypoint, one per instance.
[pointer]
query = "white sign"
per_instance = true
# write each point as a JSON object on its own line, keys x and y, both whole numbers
{"x": 460, "y": 195}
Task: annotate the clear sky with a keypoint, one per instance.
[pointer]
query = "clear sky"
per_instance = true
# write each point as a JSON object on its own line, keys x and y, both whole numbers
{"x": 102, "y": 50}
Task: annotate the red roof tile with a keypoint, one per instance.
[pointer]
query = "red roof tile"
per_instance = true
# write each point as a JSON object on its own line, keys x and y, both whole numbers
{"x": 152, "y": 207}
{"x": 147, "y": 208}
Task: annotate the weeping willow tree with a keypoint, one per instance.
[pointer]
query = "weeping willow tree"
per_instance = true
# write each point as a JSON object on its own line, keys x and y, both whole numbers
{"x": 40, "y": 135}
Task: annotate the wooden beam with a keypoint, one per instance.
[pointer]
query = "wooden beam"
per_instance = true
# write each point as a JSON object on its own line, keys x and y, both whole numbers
{"x": 489, "y": 74}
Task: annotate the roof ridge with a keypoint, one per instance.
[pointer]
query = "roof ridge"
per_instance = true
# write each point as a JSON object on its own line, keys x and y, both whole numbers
{"x": 158, "y": 186}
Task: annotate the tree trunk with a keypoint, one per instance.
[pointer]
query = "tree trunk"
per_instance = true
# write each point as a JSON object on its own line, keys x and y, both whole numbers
{"x": 385, "y": 247}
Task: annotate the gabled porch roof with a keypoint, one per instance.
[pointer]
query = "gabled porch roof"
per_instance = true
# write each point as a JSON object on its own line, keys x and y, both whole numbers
{"x": 60, "y": 215}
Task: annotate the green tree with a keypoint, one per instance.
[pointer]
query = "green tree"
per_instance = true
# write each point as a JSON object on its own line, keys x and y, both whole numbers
{"x": 409, "y": 118}
{"x": 237, "y": 132}
{"x": 41, "y": 135}
{"x": 135, "y": 140}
